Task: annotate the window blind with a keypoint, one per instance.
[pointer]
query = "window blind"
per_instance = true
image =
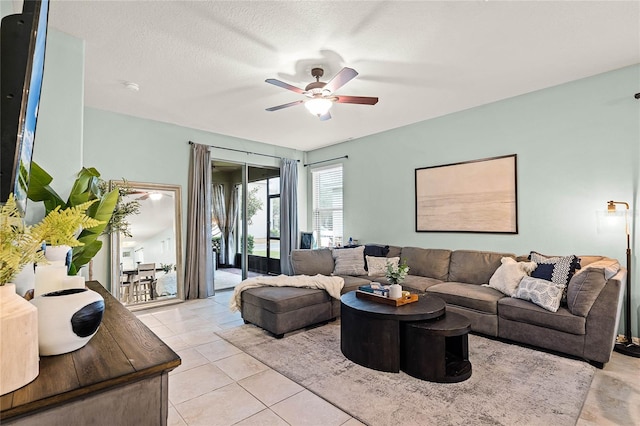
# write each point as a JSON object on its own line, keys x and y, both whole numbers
{"x": 327, "y": 206}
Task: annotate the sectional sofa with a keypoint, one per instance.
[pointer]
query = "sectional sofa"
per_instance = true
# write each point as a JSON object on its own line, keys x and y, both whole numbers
{"x": 584, "y": 326}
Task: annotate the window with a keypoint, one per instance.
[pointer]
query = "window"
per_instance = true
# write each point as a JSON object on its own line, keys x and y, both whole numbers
{"x": 327, "y": 206}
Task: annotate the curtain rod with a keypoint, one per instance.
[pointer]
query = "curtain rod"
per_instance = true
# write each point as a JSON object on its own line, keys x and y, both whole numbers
{"x": 324, "y": 161}
{"x": 246, "y": 152}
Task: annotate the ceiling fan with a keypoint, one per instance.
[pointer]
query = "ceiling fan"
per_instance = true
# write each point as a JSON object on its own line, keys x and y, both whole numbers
{"x": 321, "y": 94}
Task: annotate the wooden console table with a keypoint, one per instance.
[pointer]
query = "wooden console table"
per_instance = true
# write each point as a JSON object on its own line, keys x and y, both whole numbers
{"x": 120, "y": 377}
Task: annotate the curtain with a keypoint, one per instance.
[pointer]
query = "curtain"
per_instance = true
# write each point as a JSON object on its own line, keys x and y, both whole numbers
{"x": 288, "y": 212}
{"x": 232, "y": 221}
{"x": 220, "y": 216}
{"x": 199, "y": 252}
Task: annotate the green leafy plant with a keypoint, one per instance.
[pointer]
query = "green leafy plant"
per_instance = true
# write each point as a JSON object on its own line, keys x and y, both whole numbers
{"x": 87, "y": 187}
{"x": 250, "y": 244}
{"x": 22, "y": 244}
{"x": 397, "y": 274}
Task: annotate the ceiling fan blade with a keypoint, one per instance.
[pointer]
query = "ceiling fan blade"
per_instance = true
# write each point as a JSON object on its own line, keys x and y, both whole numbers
{"x": 343, "y": 77}
{"x": 325, "y": 117}
{"x": 290, "y": 104}
{"x": 363, "y": 100}
{"x": 284, "y": 85}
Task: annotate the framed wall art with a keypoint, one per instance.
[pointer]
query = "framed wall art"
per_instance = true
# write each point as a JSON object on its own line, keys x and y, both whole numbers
{"x": 472, "y": 196}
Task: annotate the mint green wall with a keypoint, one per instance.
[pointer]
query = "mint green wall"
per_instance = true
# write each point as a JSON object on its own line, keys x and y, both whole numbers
{"x": 577, "y": 147}
{"x": 136, "y": 149}
{"x": 58, "y": 142}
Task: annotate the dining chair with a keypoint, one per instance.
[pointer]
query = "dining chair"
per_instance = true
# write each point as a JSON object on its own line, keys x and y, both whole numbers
{"x": 145, "y": 281}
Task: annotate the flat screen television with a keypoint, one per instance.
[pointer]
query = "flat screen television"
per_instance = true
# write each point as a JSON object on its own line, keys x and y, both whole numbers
{"x": 22, "y": 50}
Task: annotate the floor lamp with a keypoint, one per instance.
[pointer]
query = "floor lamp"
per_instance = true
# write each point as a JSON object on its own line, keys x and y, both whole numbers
{"x": 628, "y": 347}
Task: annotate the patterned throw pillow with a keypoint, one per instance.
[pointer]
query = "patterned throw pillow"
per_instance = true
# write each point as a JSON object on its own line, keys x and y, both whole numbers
{"x": 543, "y": 293}
{"x": 557, "y": 269}
{"x": 378, "y": 265}
{"x": 508, "y": 275}
{"x": 349, "y": 261}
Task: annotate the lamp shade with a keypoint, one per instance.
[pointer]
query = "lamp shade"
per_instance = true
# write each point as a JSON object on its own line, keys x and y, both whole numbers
{"x": 318, "y": 106}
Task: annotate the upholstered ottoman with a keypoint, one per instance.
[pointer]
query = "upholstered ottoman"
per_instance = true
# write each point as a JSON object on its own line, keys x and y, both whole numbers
{"x": 280, "y": 310}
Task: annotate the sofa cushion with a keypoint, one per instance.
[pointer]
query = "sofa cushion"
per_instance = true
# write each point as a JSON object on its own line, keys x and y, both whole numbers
{"x": 349, "y": 261}
{"x": 378, "y": 265}
{"x": 352, "y": 283}
{"x": 508, "y": 275}
{"x": 432, "y": 263}
{"x": 394, "y": 251}
{"x": 418, "y": 283}
{"x": 474, "y": 267}
{"x": 584, "y": 288}
{"x": 609, "y": 267}
{"x": 284, "y": 299}
{"x": 312, "y": 262}
{"x": 543, "y": 293}
{"x": 471, "y": 296}
{"x": 522, "y": 311}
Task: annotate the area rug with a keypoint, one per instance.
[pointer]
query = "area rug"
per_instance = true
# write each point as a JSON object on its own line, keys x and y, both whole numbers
{"x": 510, "y": 384}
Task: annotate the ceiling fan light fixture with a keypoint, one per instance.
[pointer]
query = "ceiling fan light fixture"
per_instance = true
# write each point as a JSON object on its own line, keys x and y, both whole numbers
{"x": 318, "y": 106}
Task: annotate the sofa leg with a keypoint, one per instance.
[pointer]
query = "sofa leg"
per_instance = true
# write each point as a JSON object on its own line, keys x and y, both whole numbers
{"x": 246, "y": 322}
{"x": 598, "y": 365}
{"x": 279, "y": 336}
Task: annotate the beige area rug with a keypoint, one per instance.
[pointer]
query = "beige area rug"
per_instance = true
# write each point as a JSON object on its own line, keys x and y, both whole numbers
{"x": 510, "y": 385}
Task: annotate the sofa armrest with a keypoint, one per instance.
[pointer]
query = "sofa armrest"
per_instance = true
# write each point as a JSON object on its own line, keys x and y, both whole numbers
{"x": 603, "y": 319}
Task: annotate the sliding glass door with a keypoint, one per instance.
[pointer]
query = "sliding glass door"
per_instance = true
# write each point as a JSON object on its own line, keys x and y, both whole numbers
{"x": 246, "y": 222}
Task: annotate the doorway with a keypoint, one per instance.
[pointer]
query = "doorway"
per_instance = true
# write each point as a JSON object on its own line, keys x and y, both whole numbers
{"x": 251, "y": 247}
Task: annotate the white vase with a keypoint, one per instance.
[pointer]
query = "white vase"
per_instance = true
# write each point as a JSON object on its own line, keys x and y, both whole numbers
{"x": 19, "y": 340}
{"x": 57, "y": 254}
{"x": 67, "y": 319}
{"x": 395, "y": 291}
{"x": 25, "y": 280}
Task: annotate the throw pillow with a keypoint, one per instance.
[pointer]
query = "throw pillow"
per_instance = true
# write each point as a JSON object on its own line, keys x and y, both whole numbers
{"x": 376, "y": 250}
{"x": 508, "y": 275}
{"x": 543, "y": 293}
{"x": 584, "y": 288}
{"x": 610, "y": 267}
{"x": 349, "y": 261}
{"x": 557, "y": 269}
{"x": 378, "y": 265}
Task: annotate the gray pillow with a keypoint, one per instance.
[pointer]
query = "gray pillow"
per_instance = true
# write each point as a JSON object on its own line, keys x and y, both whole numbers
{"x": 312, "y": 262}
{"x": 349, "y": 261}
{"x": 584, "y": 288}
{"x": 543, "y": 293}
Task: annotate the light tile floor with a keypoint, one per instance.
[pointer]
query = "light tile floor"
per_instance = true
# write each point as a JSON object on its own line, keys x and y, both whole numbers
{"x": 218, "y": 384}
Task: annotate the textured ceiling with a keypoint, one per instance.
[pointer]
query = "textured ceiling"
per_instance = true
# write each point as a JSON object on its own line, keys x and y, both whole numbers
{"x": 203, "y": 64}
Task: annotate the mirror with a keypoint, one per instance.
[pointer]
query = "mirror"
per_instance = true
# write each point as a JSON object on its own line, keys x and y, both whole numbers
{"x": 146, "y": 267}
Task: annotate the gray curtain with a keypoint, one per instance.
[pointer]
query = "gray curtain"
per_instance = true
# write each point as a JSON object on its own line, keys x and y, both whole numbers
{"x": 232, "y": 222}
{"x": 220, "y": 216}
{"x": 199, "y": 252}
{"x": 288, "y": 212}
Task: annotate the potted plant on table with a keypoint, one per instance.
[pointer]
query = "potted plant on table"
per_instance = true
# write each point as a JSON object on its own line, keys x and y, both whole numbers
{"x": 21, "y": 246}
{"x": 396, "y": 274}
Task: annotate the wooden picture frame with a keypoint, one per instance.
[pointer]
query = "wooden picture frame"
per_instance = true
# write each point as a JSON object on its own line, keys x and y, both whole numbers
{"x": 472, "y": 196}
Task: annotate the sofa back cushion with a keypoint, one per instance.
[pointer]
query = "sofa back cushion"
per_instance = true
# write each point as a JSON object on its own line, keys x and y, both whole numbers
{"x": 394, "y": 251}
{"x": 431, "y": 263}
{"x": 474, "y": 267}
{"x": 312, "y": 262}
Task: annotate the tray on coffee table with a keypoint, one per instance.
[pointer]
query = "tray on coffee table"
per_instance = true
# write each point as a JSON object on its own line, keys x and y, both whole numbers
{"x": 387, "y": 301}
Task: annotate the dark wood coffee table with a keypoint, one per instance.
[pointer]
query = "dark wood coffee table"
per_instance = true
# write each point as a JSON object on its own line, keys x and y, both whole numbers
{"x": 370, "y": 331}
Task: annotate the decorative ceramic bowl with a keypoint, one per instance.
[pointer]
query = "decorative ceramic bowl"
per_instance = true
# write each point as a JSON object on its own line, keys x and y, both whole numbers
{"x": 67, "y": 319}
